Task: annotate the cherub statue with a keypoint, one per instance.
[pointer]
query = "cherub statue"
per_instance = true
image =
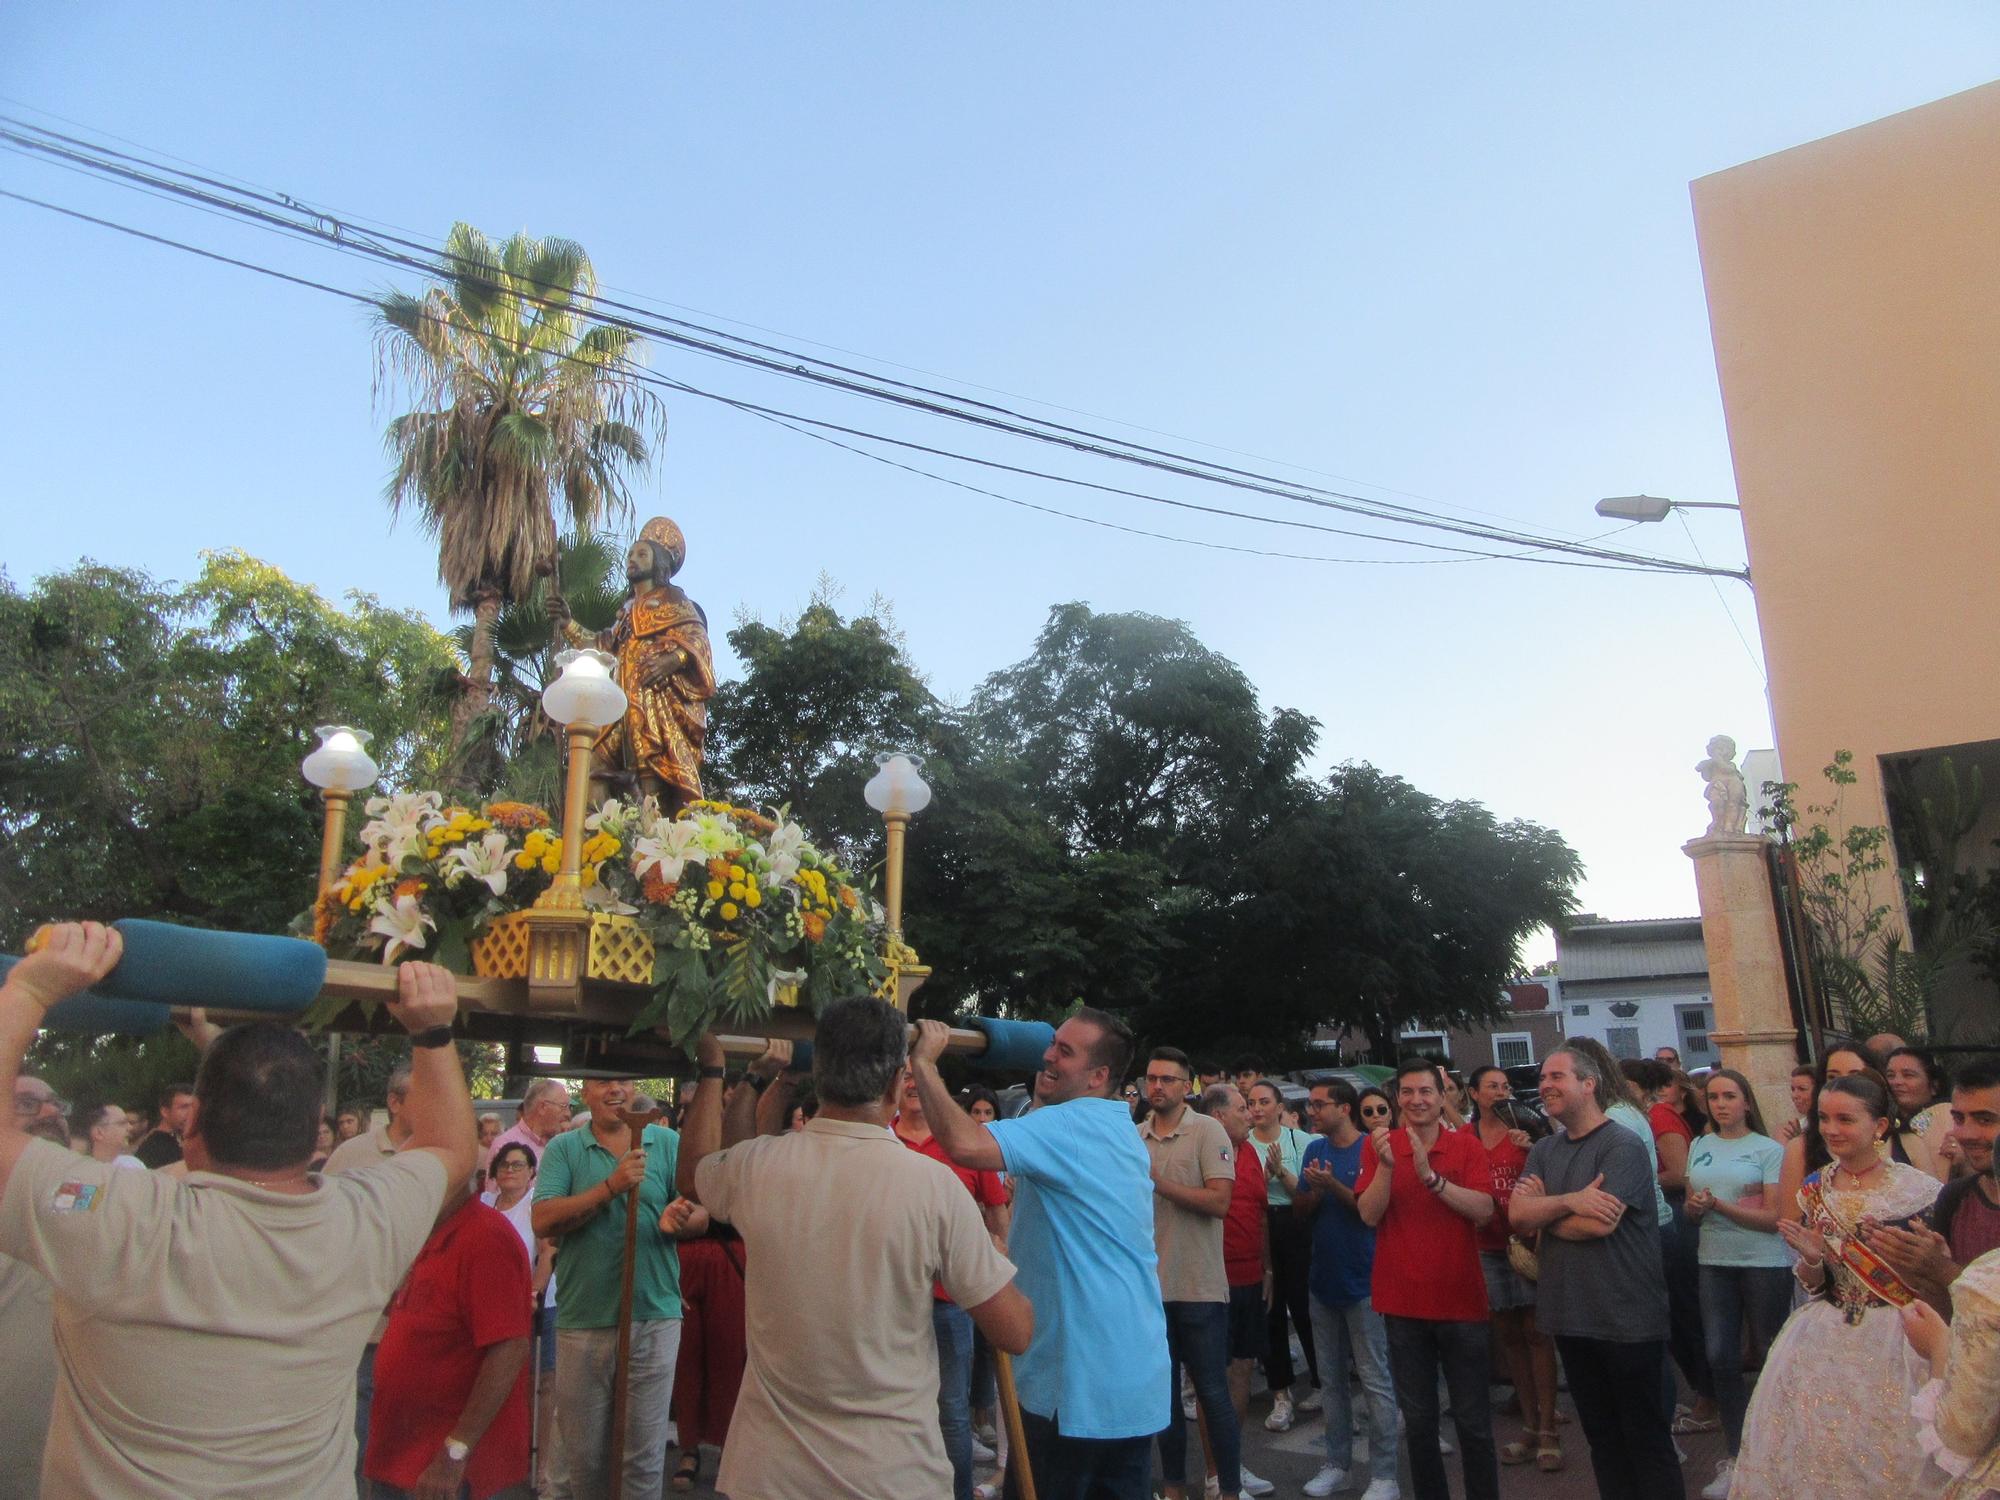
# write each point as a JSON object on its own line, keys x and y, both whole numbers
{"x": 1728, "y": 797}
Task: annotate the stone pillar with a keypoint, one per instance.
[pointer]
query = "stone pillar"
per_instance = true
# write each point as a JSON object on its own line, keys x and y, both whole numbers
{"x": 1746, "y": 965}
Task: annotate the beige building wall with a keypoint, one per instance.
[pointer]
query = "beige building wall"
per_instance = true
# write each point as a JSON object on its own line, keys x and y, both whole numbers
{"x": 1854, "y": 296}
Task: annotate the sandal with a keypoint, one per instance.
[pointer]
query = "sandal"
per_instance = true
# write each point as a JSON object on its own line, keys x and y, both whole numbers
{"x": 1521, "y": 1452}
{"x": 1548, "y": 1453}
{"x": 688, "y": 1470}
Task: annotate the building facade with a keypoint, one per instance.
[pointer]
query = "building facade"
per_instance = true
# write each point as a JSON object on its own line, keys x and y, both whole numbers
{"x": 1638, "y": 986}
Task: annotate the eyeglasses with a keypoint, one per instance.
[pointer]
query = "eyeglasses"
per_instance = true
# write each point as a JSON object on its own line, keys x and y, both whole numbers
{"x": 1166, "y": 1078}
{"x": 511, "y": 1166}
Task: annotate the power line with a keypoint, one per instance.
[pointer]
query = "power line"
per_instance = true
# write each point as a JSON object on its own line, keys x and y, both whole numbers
{"x": 347, "y": 238}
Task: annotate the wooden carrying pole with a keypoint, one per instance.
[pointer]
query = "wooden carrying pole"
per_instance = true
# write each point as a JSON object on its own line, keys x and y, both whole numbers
{"x": 621, "y": 1374}
{"x": 1010, "y": 1412}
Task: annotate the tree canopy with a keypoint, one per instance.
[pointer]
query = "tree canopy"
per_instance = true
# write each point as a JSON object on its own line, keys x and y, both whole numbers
{"x": 1118, "y": 819}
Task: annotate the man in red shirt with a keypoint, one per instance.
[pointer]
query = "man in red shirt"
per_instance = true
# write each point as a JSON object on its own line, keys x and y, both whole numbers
{"x": 451, "y": 1372}
{"x": 951, "y": 1323}
{"x": 1426, "y": 1191}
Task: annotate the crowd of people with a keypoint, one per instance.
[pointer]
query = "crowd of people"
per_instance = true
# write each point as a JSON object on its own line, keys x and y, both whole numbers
{"x": 831, "y": 1274}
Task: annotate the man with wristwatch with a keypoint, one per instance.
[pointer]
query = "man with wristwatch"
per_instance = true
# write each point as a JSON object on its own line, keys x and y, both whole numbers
{"x": 253, "y": 1278}
{"x": 451, "y": 1371}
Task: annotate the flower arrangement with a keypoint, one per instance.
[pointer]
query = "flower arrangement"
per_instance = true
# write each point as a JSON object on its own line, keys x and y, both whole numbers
{"x": 744, "y": 913}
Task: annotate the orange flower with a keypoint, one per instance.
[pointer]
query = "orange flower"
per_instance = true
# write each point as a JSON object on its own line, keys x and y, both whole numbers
{"x": 847, "y": 897}
{"x": 519, "y": 816}
{"x": 815, "y": 926}
{"x": 718, "y": 869}
{"x": 659, "y": 891}
{"x": 410, "y": 887}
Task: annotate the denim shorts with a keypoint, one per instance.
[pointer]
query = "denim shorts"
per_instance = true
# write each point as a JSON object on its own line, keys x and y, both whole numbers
{"x": 1506, "y": 1288}
{"x": 1247, "y": 1321}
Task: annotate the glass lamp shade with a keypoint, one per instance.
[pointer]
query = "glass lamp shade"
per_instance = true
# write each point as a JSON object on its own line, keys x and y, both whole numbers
{"x": 897, "y": 789}
{"x": 587, "y": 693}
{"x": 342, "y": 762}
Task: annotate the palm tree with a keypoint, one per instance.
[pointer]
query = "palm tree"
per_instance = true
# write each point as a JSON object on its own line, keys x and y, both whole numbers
{"x": 520, "y": 407}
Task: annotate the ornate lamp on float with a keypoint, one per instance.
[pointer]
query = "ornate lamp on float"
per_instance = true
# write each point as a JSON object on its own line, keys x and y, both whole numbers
{"x": 898, "y": 792}
{"x": 340, "y": 767}
{"x": 559, "y": 942}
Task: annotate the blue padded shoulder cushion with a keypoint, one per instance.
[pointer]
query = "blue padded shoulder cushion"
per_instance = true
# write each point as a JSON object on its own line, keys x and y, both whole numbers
{"x": 1012, "y": 1046}
{"x": 97, "y": 1014}
{"x": 228, "y": 970}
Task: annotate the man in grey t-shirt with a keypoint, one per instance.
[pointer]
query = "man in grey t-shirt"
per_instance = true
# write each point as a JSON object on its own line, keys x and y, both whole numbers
{"x": 1601, "y": 1295}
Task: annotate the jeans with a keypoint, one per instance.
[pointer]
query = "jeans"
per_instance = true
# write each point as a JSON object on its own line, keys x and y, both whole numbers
{"x": 585, "y": 1361}
{"x": 1730, "y": 1297}
{"x": 1290, "y": 1238}
{"x": 1418, "y": 1349}
{"x": 952, "y": 1327}
{"x": 1631, "y": 1449}
{"x": 1198, "y": 1336}
{"x": 985, "y": 1385}
{"x": 364, "y": 1397}
{"x": 1067, "y": 1468}
{"x": 1355, "y": 1330}
{"x": 1680, "y": 1259}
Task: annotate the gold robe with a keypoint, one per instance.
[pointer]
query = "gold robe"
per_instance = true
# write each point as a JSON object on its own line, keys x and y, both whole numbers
{"x": 666, "y": 725}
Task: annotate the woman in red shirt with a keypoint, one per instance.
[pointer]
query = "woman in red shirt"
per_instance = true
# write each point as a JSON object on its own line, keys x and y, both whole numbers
{"x": 1680, "y": 1243}
{"x": 1528, "y": 1357}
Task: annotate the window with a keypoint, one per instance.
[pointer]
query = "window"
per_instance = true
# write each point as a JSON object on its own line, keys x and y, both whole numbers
{"x": 1425, "y": 1044}
{"x": 1579, "y": 1010}
{"x": 1622, "y": 1041}
{"x": 1696, "y": 1049}
{"x": 1513, "y": 1049}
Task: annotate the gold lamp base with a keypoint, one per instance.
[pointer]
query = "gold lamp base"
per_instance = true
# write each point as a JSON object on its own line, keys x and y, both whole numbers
{"x": 557, "y": 951}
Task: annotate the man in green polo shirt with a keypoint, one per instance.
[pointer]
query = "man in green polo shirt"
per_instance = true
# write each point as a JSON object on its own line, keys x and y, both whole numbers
{"x": 580, "y": 1200}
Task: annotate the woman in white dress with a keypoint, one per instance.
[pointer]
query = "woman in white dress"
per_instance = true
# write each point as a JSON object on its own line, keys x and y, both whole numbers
{"x": 1823, "y": 1424}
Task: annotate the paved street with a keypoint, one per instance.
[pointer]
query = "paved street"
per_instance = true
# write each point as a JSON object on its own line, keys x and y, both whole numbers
{"x": 1289, "y": 1459}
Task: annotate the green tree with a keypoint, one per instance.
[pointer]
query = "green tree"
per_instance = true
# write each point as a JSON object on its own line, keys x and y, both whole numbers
{"x": 522, "y": 408}
{"x": 151, "y": 761}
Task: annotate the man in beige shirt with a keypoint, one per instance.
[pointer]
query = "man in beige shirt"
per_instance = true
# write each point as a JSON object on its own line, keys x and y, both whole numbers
{"x": 844, "y": 1230}
{"x": 1194, "y": 1174}
{"x": 252, "y": 1277}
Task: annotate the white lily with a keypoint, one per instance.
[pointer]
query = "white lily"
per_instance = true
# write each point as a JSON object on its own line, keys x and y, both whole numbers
{"x": 782, "y": 850}
{"x": 404, "y": 807}
{"x": 402, "y": 922}
{"x": 488, "y": 861}
{"x": 783, "y": 979}
{"x": 670, "y": 850}
{"x": 599, "y": 897}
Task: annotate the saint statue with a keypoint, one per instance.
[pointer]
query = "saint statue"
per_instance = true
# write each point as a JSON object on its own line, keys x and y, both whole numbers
{"x": 1728, "y": 797}
{"x": 666, "y": 668}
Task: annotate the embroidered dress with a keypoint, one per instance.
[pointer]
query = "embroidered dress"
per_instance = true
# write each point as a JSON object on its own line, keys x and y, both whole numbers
{"x": 1819, "y": 1425}
{"x": 1959, "y": 1416}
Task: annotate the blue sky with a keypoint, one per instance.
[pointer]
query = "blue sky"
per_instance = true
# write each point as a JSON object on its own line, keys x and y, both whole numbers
{"x": 1440, "y": 252}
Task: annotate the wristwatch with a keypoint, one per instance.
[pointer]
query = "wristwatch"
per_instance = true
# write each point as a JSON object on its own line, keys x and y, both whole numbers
{"x": 456, "y": 1451}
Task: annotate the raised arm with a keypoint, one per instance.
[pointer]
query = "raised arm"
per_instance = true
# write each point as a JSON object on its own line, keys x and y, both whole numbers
{"x": 438, "y": 1107}
{"x": 701, "y": 1125}
{"x": 71, "y": 957}
{"x": 963, "y": 1138}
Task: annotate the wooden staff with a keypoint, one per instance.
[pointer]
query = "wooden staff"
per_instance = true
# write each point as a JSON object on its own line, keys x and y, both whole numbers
{"x": 1010, "y": 1413}
{"x": 621, "y": 1373}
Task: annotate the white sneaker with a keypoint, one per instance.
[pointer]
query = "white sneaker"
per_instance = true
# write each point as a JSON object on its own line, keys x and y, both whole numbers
{"x": 1326, "y": 1481}
{"x": 1280, "y": 1419}
{"x": 1310, "y": 1401}
{"x": 1718, "y": 1487}
{"x": 1251, "y": 1484}
{"x": 981, "y": 1454}
{"x": 1382, "y": 1489}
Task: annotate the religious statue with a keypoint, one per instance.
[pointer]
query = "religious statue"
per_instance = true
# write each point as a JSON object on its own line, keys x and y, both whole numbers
{"x": 666, "y": 668}
{"x": 1728, "y": 797}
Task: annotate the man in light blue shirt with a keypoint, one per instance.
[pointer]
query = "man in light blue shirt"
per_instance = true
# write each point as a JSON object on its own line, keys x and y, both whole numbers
{"x": 1094, "y": 1384}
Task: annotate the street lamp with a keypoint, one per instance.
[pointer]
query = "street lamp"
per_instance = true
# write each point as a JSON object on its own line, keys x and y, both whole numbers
{"x": 584, "y": 699}
{"x": 1653, "y": 508}
{"x": 898, "y": 792}
{"x": 340, "y": 767}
